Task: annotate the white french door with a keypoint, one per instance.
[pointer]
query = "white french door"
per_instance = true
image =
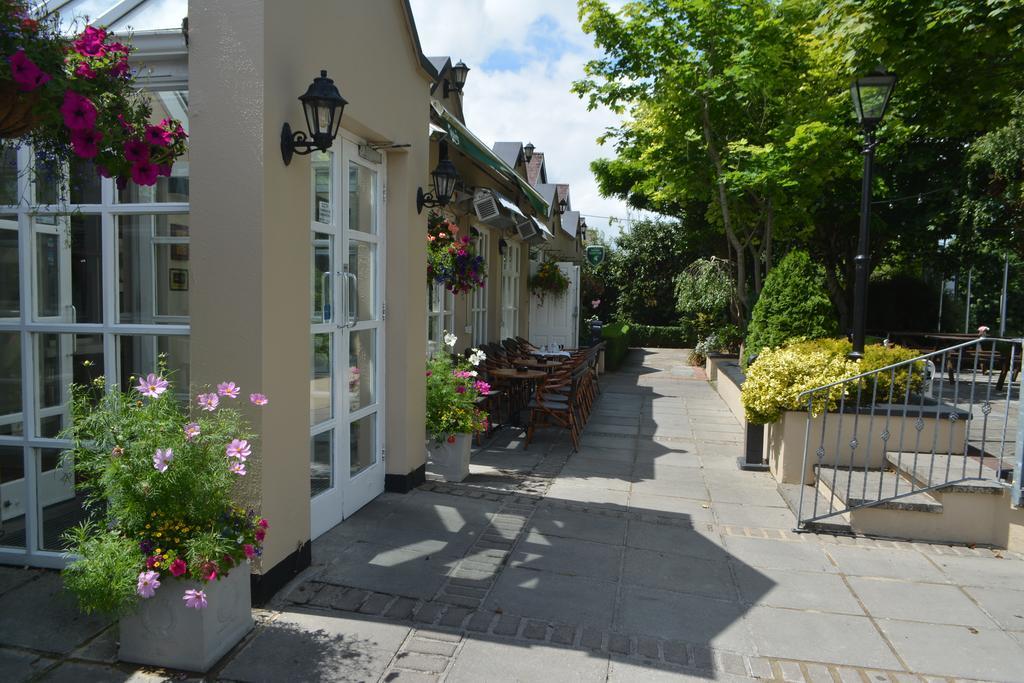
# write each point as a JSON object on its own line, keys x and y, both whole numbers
{"x": 347, "y": 335}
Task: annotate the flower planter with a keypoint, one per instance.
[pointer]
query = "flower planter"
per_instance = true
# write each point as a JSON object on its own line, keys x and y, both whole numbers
{"x": 164, "y": 632}
{"x": 16, "y": 117}
{"x": 450, "y": 461}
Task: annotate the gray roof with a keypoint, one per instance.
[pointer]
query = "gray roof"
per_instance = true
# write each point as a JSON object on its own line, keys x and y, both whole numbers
{"x": 547, "y": 191}
{"x": 508, "y": 152}
{"x": 571, "y": 223}
{"x": 439, "y": 63}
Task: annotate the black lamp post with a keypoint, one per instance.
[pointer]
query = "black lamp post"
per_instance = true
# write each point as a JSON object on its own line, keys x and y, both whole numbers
{"x": 870, "y": 98}
{"x": 322, "y": 106}
{"x": 458, "y": 78}
{"x": 445, "y": 177}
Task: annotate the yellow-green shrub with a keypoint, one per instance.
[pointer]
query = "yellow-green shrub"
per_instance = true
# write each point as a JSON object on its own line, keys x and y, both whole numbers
{"x": 774, "y": 383}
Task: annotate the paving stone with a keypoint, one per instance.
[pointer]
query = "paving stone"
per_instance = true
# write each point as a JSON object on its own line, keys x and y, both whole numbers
{"x": 550, "y": 596}
{"x": 791, "y": 672}
{"x": 732, "y": 663}
{"x": 480, "y": 622}
{"x": 429, "y": 612}
{"x": 648, "y": 647}
{"x": 797, "y": 635}
{"x": 401, "y": 609}
{"x": 20, "y": 666}
{"x": 461, "y": 601}
{"x": 431, "y": 647}
{"x": 327, "y": 596}
{"x": 535, "y": 630}
{"x": 619, "y": 644}
{"x": 406, "y": 676}
{"x": 592, "y": 639}
{"x": 482, "y": 661}
{"x": 376, "y": 603}
{"x": 955, "y": 650}
{"x": 760, "y": 667}
{"x": 304, "y": 593}
{"x": 56, "y": 624}
{"x": 507, "y": 625}
{"x": 437, "y": 634}
{"x": 350, "y": 600}
{"x": 816, "y": 673}
{"x": 677, "y": 652}
{"x": 701, "y": 658}
{"x": 847, "y": 675}
{"x": 563, "y": 634}
{"x": 469, "y": 591}
{"x": 455, "y": 616}
{"x": 421, "y": 662}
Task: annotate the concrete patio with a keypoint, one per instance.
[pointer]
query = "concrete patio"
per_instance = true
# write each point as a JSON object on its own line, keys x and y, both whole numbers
{"x": 647, "y": 556}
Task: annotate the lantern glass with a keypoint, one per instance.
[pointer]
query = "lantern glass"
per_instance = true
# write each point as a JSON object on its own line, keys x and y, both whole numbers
{"x": 459, "y": 73}
{"x": 444, "y": 177}
{"x": 322, "y": 106}
{"x": 871, "y": 97}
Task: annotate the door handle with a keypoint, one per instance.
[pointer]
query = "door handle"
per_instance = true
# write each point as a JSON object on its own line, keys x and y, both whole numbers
{"x": 344, "y": 301}
{"x": 353, "y": 298}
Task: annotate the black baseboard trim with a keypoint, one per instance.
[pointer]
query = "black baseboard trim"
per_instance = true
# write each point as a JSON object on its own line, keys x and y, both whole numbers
{"x": 403, "y": 483}
{"x": 263, "y": 586}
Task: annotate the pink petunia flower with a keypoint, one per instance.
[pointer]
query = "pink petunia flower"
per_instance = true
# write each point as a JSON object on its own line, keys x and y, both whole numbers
{"x": 85, "y": 143}
{"x": 228, "y": 389}
{"x": 85, "y": 71}
{"x": 208, "y": 402}
{"x": 263, "y": 523}
{"x": 209, "y": 571}
{"x": 191, "y": 430}
{"x": 260, "y": 534}
{"x": 237, "y": 467}
{"x": 178, "y": 567}
{"x": 90, "y": 42}
{"x": 149, "y": 581}
{"x": 164, "y": 170}
{"x": 79, "y": 113}
{"x": 258, "y": 399}
{"x": 151, "y": 385}
{"x": 121, "y": 69}
{"x": 162, "y": 458}
{"x": 482, "y": 386}
{"x": 135, "y": 151}
{"x": 125, "y": 125}
{"x": 145, "y": 173}
{"x": 156, "y": 136}
{"x": 249, "y": 550}
{"x": 239, "y": 449}
{"x": 25, "y": 73}
{"x": 195, "y": 599}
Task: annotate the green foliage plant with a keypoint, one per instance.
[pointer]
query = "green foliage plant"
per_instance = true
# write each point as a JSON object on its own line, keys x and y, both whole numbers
{"x": 774, "y": 383}
{"x": 548, "y": 280}
{"x": 453, "y": 387}
{"x": 661, "y": 336}
{"x": 706, "y": 286}
{"x": 162, "y": 485}
{"x": 793, "y": 304}
{"x": 616, "y": 338}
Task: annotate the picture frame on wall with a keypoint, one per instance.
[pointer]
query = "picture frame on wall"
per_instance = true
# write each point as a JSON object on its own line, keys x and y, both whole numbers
{"x": 178, "y": 279}
{"x": 179, "y": 252}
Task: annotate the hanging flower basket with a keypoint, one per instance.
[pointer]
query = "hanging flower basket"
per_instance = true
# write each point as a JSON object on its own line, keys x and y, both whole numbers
{"x": 75, "y": 96}
{"x": 451, "y": 259}
{"x": 549, "y": 279}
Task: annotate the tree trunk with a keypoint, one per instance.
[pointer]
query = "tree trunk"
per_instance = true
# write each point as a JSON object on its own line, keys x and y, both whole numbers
{"x": 769, "y": 227}
{"x": 755, "y": 255}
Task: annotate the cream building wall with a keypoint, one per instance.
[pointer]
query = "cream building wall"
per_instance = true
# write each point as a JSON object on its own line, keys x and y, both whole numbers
{"x": 250, "y": 60}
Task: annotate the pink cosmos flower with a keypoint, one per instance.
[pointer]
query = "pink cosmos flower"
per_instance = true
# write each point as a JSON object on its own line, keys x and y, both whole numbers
{"x": 151, "y": 385}
{"x": 135, "y": 151}
{"x": 258, "y": 399}
{"x": 441, "y": 235}
{"x": 85, "y": 71}
{"x": 239, "y": 449}
{"x": 249, "y": 550}
{"x": 482, "y": 386}
{"x": 208, "y": 402}
{"x": 149, "y": 581}
{"x": 162, "y": 458}
{"x": 85, "y": 143}
{"x": 25, "y": 73}
{"x": 178, "y": 567}
{"x": 145, "y": 173}
{"x": 228, "y": 389}
{"x": 237, "y": 467}
{"x": 79, "y": 113}
{"x": 191, "y": 430}
{"x": 195, "y": 599}
{"x": 156, "y": 136}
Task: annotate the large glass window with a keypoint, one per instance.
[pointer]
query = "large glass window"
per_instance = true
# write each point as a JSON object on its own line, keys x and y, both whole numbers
{"x": 94, "y": 282}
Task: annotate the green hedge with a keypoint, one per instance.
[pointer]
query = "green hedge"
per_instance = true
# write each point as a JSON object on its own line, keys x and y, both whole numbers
{"x": 617, "y": 337}
{"x": 661, "y": 336}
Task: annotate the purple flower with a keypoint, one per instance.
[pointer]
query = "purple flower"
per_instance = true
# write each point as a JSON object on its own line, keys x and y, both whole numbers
{"x": 208, "y": 402}
{"x": 258, "y": 399}
{"x": 151, "y": 385}
{"x": 149, "y": 581}
{"x": 237, "y": 467}
{"x": 79, "y": 113}
{"x": 146, "y": 546}
{"x": 239, "y": 449}
{"x": 228, "y": 389}
{"x": 191, "y": 430}
{"x": 85, "y": 143}
{"x": 195, "y": 599}
{"x": 162, "y": 458}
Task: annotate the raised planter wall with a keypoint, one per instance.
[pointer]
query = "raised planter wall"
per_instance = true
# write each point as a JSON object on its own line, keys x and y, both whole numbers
{"x": 727, "y": 377}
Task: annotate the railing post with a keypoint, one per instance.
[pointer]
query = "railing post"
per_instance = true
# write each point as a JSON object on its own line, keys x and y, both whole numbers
{"x": 1018, "y": 467}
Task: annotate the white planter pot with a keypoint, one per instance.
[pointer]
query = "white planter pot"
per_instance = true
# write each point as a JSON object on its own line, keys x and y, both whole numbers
{"x": 164, "y": 632}
{"x": 450, "y": 461}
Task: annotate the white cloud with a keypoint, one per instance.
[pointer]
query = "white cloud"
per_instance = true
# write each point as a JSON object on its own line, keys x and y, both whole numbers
{"x": 530, "y": 102}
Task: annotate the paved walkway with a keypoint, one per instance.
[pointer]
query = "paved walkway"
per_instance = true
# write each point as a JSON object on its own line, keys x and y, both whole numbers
{"x": 647, "y": 556}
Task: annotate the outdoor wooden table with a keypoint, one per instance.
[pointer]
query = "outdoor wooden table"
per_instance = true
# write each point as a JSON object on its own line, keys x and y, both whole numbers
{"x": 525, "y": 380}
{"x": 547, "y": 365}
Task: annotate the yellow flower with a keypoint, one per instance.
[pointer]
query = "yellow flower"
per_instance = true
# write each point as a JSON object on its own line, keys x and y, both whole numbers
{"x": 158, "y": 551}
{"x": 156, "y": 564}
{"x": 158, "y": 534}
{"x": 147, "y": 526}
{"x": 152, "y": 514}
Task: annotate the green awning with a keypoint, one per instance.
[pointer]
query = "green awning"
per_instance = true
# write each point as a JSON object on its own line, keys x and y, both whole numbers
{"x": 473, "y": 147}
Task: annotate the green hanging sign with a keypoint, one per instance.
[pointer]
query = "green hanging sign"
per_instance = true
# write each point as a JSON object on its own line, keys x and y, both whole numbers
{"x": 595, "y": 255}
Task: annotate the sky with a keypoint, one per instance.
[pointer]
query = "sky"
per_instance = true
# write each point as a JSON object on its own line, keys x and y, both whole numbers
{"x": 523, "y": 58}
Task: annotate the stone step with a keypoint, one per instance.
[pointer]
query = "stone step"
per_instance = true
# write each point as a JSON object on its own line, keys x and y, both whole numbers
{"x": 857, "y": 488}
{"x": 838, "y": 524}
{"x": 930, "y": 470}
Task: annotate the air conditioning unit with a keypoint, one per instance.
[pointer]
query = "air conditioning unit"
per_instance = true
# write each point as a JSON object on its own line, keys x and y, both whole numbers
{"x": 493, "y": 209}
{"x": 533, "y": 231}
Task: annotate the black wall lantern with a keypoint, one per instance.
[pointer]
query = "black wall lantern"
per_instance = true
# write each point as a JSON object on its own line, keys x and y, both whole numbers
{"x": 322, "y": 105}
{"x": 528, "y": 151}
{"x": 444, "y": 177}
{"x": 458, "y": 78}
{"x": 502, "y": 246}
{"x": 562, "y": 206}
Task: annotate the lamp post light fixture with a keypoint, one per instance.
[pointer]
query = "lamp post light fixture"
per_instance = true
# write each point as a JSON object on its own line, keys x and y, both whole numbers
{"x": 871, "y": 95}
{"x": 528, "y": 151}
{"x": 322, "y": 106}
{"x": 457, "y": 80}
{"x": 563, "y": 204}
{"x": 583, "y": 227}
{"x": 445, "y": 177}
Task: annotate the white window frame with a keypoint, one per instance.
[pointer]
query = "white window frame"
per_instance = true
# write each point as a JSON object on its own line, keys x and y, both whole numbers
{"x": 511, "y": 263}
{"x": 440, "y": 315}
{"x": 478, "y": 298}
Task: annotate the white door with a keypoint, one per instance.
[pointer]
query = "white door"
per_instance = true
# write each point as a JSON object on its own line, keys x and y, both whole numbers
{"x": 555, "y": 320}
{"x": 347, "y": 342}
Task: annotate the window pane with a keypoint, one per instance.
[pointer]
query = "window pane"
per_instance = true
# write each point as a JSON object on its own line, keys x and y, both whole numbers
{"x": 86, "y": 269}
{"x": 47, "y": 275}
{"x": 166, "y": 104}
{"x": 60, "y": 508}
{"x": 84, "y": 182}
{"x": 60, "y": 360}
{"x": 322, "y": 272}
{"x": 69, "y": 269}
{"x": 362, "y": 370}
{"x": 47, "y": 179}
{"x": 362, "y": 444}
{"x": 323, "y": 206}
{"x": 10, "y": 289}
{"x": 362, "y": 199}
{"x": 153, "y": 257}
{"x": 362, "y": 262}
{"x": 8, "y": 175}
{"x": 139, "y": 354}
{"x": 10, "y": 384}
{"x": 320, "y": 405}
{"x": 321, "y": 474}
{"x": 13, "y": 497}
